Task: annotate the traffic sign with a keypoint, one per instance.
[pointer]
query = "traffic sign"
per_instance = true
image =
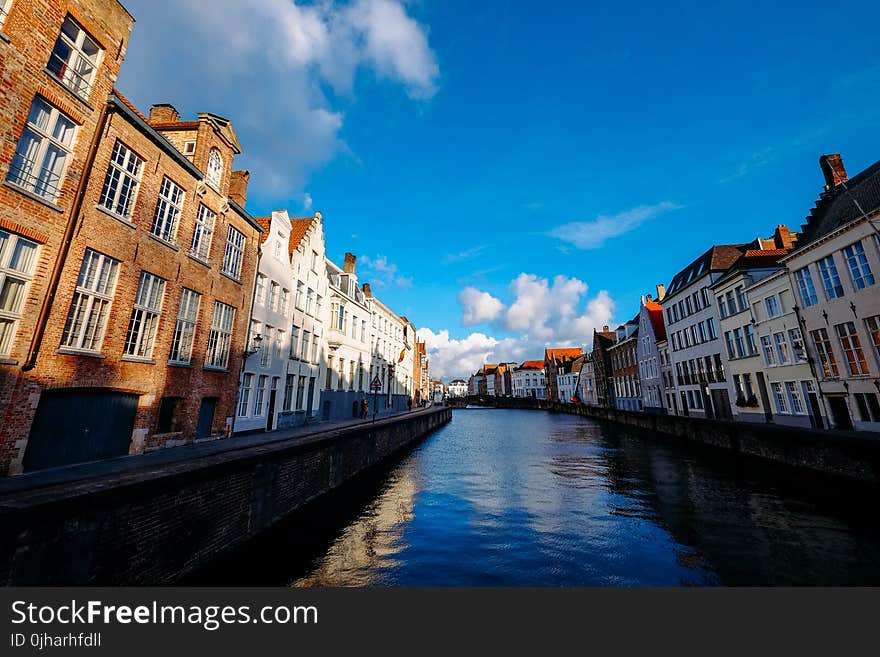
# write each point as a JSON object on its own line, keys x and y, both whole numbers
{"x": 376, "y": 383}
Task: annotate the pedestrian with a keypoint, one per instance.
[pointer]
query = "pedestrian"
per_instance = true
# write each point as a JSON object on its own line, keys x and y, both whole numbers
{"x": 409, "y": 403}
{"x": 365, "y": 409}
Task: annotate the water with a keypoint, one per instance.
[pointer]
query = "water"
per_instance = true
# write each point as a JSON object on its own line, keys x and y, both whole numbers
{"x": 503, "y": 497}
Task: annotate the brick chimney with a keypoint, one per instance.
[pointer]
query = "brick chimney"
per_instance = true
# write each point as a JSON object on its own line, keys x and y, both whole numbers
{"x": 238, "y": 184}
{"x": 350, "y": 263}
{"x": 833, "y": 169}
{"x": 783, "y": 238}
{"x": 368, "y": 292}
{"x": 661, "y": 292}
{"x": 164, "y": 113}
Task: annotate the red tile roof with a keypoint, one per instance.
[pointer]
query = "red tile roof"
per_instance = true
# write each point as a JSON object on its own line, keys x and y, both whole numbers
{"x": 655, "y": 312}
{"x": 755, "y": 253}
{"x": 264, "y": 222}
{"x": 298, "y": 229}
{"x": 562, "y": 353}
{"x": 532, "y": 364}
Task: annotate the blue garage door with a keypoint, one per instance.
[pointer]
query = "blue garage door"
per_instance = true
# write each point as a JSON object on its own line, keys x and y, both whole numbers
{"x": 73, "y": 426}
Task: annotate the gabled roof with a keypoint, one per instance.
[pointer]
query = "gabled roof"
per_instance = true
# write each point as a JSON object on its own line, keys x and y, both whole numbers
{"x": 718, "y": 258}
{"x": 840, "y": 205}
{"x": 655, "y": 314}
{"x": 562, "y": 354}
{"x": 265, "y": 223}
{"x": 298, "y": 229}
{"x": 532, "y": 365}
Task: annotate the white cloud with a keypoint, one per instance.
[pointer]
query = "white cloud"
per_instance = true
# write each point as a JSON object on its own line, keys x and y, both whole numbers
{"x": 307, "y": 203}
{"x": 380, "y": 273}
{"x": 542, "y": 313}
{"x": 478, "y": 306}
{"x": 449, "y": 358}
{"x": 593, "y": 234}
{"x": 269, "y": 66}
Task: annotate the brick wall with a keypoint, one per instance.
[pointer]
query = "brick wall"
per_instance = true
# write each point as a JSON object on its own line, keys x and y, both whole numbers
{"x": 149, "y": 529}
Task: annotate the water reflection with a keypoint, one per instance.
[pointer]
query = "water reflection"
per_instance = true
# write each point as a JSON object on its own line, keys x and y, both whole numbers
{"x": 524, "y": 498}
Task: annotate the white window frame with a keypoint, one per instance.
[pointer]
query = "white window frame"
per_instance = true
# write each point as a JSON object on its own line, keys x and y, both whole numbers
{"x": 91, "y": 303}
{"x": 203, "y": 233}
{"x": 76, "y": 71}
{"x": 41, "y": 147}
{"x": 17, "y": 267}
{"x": 830, "y": 278}
{"x": 169, "y": 207}
{"x": 185, "y": 328}
{"x": 234, "y": 253}
{"x": 859, "y": 269}
{"x": 852, "y": 343}
{"x": 122, "y": 182}
{"x": 220, "y": 337}
{"x": 4, "y": 11}
{"x": 260, "y": 396}
{"x": 806, "y": 286}
{"x": 244, "y": 397}
{"x": 141, "y": 335}
{"x": 214, "y": 169}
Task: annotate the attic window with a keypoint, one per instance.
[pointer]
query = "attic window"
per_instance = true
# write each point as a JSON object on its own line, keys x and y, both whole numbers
{"x": 189, "y": 148}
{"x": 215, "y": 169}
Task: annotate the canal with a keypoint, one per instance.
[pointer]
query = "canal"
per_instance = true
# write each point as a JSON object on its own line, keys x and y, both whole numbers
{"x": 510, "y": 497}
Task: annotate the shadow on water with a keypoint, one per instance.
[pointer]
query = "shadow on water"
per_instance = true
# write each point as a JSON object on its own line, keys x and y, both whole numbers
{"x": 288, "y": 552}
{"x": 530, "y": 498}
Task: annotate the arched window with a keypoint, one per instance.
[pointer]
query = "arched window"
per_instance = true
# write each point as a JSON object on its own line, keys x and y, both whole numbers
{"x": 215, "y": 169}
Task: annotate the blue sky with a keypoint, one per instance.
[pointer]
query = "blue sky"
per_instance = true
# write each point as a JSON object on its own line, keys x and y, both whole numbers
{"x": 513, "y": 174}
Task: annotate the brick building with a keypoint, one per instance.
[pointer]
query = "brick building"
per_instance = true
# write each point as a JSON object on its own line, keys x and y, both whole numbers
{"x": 142, "y": 341}
{"x": 602, "y": 342}
{"x": 58, "y": 62}
{"x": 625, "y": 367}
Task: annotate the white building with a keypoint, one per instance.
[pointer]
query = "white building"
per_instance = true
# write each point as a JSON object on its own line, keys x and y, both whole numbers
{"x": 587, "y": 382}
{"x": 833, "y": 273}
{"x": 391, "y": 354}
{"x": 528, "y": 380}
{"x": 347, "y": 381}
{"x": 458, "y": 388}
{"x": 280, "y": 374}
{"x": 651, "y": 331}
{"x": 567, "y": 379}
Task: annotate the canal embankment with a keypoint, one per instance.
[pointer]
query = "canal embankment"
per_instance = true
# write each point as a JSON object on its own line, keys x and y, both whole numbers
{"x": 853, "y": 455}
{"x": 153, "y": 522}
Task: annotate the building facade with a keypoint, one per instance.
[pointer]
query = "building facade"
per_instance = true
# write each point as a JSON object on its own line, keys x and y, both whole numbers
{"x": 458, "y": 388}
{"x": 625, "y": 367}
{"x": 554, "y": 361}
{"x": 390, "y": 343}
{"x": 528, "y": 380}
{"x": 833, "y": 275}
{"x": 587, "y": 382}
{"x": 652, "y": 331}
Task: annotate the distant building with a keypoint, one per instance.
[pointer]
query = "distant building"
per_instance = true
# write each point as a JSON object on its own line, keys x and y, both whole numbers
{"x": 602, "y": 341}
{"x": 567, "y": 381}
{"x": 458, "y": 388}
{"x": 652, "y": 331}
{"x": 555, "y": 365}
{"x": 625, "y": 367}
{"x": 587, "y": 382}
{"x": 528, "y": 380}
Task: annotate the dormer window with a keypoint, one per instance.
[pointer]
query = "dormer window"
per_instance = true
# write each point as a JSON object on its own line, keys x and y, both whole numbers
{"x": 215, "y": 169}
{"x": 74, "y": 58}
{"x": 189, "y": 148}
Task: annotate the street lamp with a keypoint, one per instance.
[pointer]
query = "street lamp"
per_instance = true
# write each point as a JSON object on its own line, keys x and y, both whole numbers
{"x": 256, "y": 342}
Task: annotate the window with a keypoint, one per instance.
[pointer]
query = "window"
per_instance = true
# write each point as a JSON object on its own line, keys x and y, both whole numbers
{"x": 795, "y": 398}
{"x": 731, "y": 344}
{"x": 221, "y": 335}
{"x": 4, "y": 10}
{"x": 722, "y": 306}
{"x": 826, "y": 355}
{"x": 215, "y": 169}
{"x": 145, "y": 316}
{"x": 852, "y": 348}
{"x": 185, "y": 329}
{"x": 318, "y": 306}
{"x": 277, "y": 249}
{"x": 122, "y": 181}
{"x": 300, "y": 393}
{"x": 17, "y": 263}
{"x": 315, "y": 348}
{"x": 806, "y": 287}
{"x": 244, "y": 398}
{"x": 741, "y": 298}
{"x": 203, "y": 233}
{"x": 769, "y": 353}
{"x": 266, "y": 351}
{"x": 752, "y": 348}
{"x": 167, "y": 211}
{"x": 830, "y": 278}
{"x": 260, "y": 397}
{"x": 74, "y": 58}
{"x": 189, "y": 147}
{"x": 710, "y": 328}
{"x": 285, "y": 301}
{"x": 873, "y": 326}
{"x": 351, "y": 366}
{"x": 289, "y": 384}
{"x": 782, "y": 348}
{"x": 298, "y": 299}
{"x": 797, "y": 345}
{"x": 90, "y": 306}
{"x": 869, "y": 409}
{"x": 771, "y": 303}
{"x": 273, "y": 294}
{"x": 740, "y": 343}
{"x": 294, "y": 341}
{"x": 779, "y": 397}
{"x": 41, "y": 153}
{"x": 260, "y": 292}
{"x": 305, "y": 345}
{"x": 859, "y": 268}
{"x": 167, "y": 406}
{"x": 310, "y": 301}
{"x": 233, "y": 254}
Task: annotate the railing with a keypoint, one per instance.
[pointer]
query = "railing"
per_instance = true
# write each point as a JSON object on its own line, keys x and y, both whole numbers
{"x": 46, "y": 183}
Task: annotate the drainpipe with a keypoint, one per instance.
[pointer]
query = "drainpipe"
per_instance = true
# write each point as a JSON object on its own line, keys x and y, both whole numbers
{"x": 69, "y": 230}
